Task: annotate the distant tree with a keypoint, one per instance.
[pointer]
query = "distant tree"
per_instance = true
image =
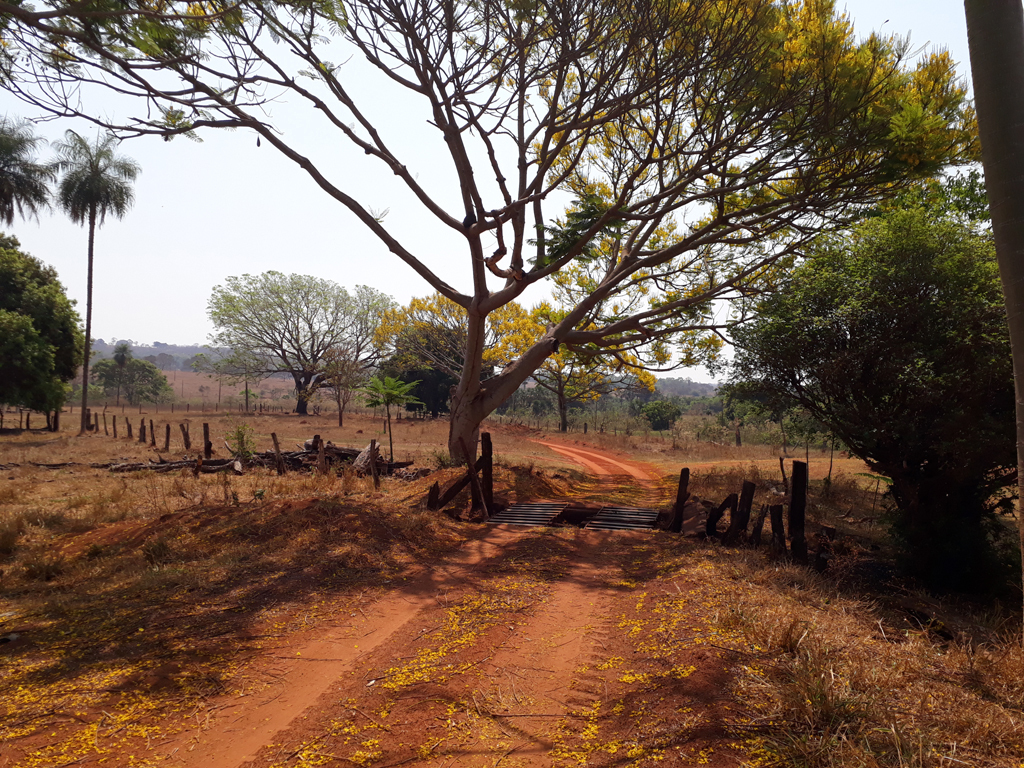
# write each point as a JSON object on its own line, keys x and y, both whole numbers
{"x": 895, "y": 338}
{"x": 661, "y": 414}
{"x": 122, "y": 354}
{"x": 385, "y": 393}
{"x": 140, "y": 380}
{"x": 40, "y": 339}
{"x": 276, "y": 323}
{"x": 94, "y": 182}
{"x": 344, "y": 376}
{"x": 24, "y": 183}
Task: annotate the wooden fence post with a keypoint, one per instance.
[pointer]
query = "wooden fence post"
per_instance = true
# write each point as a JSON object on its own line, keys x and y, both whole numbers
{"x": 785, "y": 482}
{"x": 115, "y": 426}
{"x": 487, "y": 471}
{"x": 474, "y": 482}
{"x": 682, "y": 494}
{"x": 321, "y": 458}
{"x": 96, "y": 423}
{"x": 432, "y": 497}
{"x": 105, "y": 432}
{"x": 207, "y": 445}
{"x": 373, "y": 464}
{"x": 711, "y": 527}
{"x": 167, "y": 438}
{"x": 128, "y": 426}
{"x": 184, "y": 437}
{"x": 797, "y": 512}
{"x": 152, "y": 434}
{"x": 755, "y": 534}
{"x": 740, "y": 518}
{"x": 142, "y": 431}
{"x": 277, "y": 454}
{"x": 778, "y": 531}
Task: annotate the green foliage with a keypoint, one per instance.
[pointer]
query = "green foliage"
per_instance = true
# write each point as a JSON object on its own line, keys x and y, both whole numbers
{"x": 40, "y": 340}
{"x": 95, "y": 180}
{"x": 139, "y": 380}
{"x": 559, "y": 240}
{"x": 387, "y": 392}
{"x": 24, "y": 184}
{"x": 895, "y": 338}
{"x": 661, "y": 414}
{"x": 241, "y": 439}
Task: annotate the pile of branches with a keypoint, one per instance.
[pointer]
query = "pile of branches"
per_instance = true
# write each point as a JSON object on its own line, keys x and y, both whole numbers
{"x": 306, "y": 458}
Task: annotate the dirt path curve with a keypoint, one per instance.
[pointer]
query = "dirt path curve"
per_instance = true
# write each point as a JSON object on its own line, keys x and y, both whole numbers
{"x": 300, "y": 674}
{"x": 601, "y": 464}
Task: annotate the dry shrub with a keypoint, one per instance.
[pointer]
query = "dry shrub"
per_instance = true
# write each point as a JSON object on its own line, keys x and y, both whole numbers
{"x": 11, "y": 529}
{"x": 42, "y": 566}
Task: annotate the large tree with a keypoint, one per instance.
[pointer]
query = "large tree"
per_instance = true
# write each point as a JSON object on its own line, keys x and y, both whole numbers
{"x": 995, "y": 34}
{"x": 295, "y": 324}
{"x": 894, "y": 337}
{"x": 95, "y": 182}
{"x": 24, "y": 183}
{"x": 704, "y": 140}
{"x": 40, "y": 338}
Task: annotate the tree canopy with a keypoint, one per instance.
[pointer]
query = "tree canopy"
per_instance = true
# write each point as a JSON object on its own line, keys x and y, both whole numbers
{"x": 138, "y": 380}
{"x": 40, "y": 338}
{"x": 704, "y": 143}
{"x": 24, "y": 183}
{"x": 894, "y": 336}
{"x": 295, "y": 324}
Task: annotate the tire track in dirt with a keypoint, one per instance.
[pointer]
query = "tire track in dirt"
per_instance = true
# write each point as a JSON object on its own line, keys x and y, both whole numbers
{"x": 304, "y": 672}
{"x": 600, "y": 463}
{"x": 532, "y": 675}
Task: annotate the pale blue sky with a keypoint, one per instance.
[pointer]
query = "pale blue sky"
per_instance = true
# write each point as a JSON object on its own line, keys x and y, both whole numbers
{"x": 224, "y": 207}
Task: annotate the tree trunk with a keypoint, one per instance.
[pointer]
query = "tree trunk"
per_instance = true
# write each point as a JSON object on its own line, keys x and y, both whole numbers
{"x": 563, "y": 413}
{"x": 995, "y": 35}
{"x": 88, "y": 326}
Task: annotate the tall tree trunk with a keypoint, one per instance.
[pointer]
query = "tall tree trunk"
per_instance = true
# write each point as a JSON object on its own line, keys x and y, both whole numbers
{"x": 995, "y": 34}
{"x": 563, "y": 413}
{"x": 88, "y": 327}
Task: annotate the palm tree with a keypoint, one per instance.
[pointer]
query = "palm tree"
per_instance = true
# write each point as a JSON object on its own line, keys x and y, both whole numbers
{"x": 387, "y": 392}
{"x": 96, "y": 182}
{"x": 24, "y": 184}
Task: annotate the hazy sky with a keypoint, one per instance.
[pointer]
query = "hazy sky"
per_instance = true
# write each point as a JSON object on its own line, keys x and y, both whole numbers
{"x": 223, "y": 207}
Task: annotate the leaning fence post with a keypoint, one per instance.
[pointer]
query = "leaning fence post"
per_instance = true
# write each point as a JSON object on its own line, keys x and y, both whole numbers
{"x": 115, "y": 426}
{"x": 740, "y": 518}
{"x": 105, "y": 432}
{"x": 184, "y": 437}
{"x": 487, "y": 470}
{"x": 682, "y": 494}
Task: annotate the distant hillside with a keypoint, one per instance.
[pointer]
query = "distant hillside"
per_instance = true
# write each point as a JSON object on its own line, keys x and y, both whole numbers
{"x": 166, "y": 357}
{"x": 685, "y": 388}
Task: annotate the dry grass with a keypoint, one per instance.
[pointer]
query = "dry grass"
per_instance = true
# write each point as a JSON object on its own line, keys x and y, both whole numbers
{"x": 110, "y": 577}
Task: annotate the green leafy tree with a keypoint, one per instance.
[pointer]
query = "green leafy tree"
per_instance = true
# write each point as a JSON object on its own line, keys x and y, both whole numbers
{"x": 276, "y": 323}
{"x": 661, "y": 414}
{"x": 95, "y": 182}
{"x": 705, "y": 142}
{"x": 385, "y": 393}
{"x": 139, "y": 380}
{"x": 40, "y": 340}
{"x": 24, "y": 183}
{"x": 894, "y": 337}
